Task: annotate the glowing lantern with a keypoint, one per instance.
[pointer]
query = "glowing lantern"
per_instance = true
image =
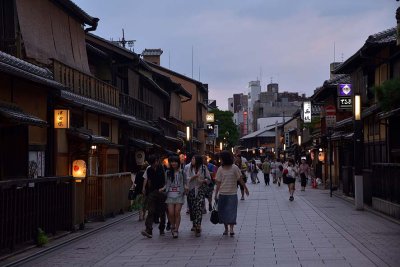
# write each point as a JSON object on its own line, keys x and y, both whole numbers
{"x": 321, "y": 156}
{"x": 79, "y": 169}
{"x": 61, "y": 118}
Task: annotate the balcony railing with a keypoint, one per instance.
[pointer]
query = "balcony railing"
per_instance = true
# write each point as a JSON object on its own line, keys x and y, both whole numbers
{"x": 106, "y": 195}
{"x": 29, "y": 204}
{"x": 135, "y": 107}
{"x": 85, "y": 84}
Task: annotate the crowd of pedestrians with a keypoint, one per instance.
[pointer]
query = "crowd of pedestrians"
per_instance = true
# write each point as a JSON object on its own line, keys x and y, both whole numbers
{"x": 162, "y": 190}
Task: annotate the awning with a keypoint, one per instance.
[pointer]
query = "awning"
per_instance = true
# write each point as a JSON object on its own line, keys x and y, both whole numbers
{"x": 90, "y": 104}
{"x": 144, "y": 125}
{"x": 85, "y": 135}
{"x": 174, "y": 139}
{"x": 139, "y": 143}
{"x": 14, "y": 114}
{"x": 170, "y": 153}
{"x": 392, "y": 113}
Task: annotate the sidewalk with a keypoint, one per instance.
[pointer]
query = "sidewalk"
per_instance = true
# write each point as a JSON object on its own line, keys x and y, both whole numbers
{"x": 314, "y": 230}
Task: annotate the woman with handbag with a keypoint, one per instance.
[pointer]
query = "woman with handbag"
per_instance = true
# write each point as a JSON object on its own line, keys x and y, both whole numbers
{"x": 227, "y": 177}
{"x": 198, "y": 178}
{"x": 175, "y": 188}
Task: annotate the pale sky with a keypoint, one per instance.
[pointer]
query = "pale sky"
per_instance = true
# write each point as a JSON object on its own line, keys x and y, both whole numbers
{"x": 236, "y": 41}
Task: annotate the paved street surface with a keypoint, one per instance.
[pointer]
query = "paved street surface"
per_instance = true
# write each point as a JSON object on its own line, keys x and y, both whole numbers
{"x": 314, "y": 230}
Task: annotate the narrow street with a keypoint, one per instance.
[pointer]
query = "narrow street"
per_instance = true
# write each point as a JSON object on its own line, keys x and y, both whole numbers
{"x": 314, "y": 230}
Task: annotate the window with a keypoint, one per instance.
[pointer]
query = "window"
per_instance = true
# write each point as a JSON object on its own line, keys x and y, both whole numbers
{"x": 105, "y": 129}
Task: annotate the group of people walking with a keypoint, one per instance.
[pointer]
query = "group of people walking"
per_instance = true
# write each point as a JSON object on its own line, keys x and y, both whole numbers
{"x": 166, "y": 188}
{"x": 286, "y": 172}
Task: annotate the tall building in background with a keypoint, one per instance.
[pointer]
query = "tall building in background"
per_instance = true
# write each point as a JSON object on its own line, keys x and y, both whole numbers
{"x": 272, "y": 103}
{"x": 238, "y": 105}
{"x": 255, "y": 90}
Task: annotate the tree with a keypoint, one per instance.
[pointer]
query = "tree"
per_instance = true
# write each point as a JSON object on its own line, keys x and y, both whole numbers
{"x": 226, "y": 127}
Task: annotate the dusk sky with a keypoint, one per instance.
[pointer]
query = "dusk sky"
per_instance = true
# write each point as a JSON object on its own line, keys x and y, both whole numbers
{"x": 237, "y": 41}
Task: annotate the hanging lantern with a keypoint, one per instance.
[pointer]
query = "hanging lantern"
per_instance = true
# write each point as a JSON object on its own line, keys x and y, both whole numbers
{"x": 321, "y": 156}
{"x": 61, "y": 118}
{"x": 79, "y": 169}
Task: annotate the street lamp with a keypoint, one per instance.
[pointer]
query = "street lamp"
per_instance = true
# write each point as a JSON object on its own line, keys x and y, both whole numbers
{"x": 188, "y": 133}
{"x": 299, "y": 140}
{"x": 358, "y": 177}
{"x": 220, "y": 146}
{"x": 188, "y": 136}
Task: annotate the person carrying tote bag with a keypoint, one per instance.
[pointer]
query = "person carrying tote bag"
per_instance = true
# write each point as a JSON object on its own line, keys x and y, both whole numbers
{"x": 226, "y": 192}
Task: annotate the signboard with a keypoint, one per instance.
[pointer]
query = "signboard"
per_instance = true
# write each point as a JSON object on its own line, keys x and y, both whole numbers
{"x": 287, "y": 139}
{"x": 61, "y": 118}
{"x": 330, "y": 121}
{"x": 330, "y": 116}
{"x": 345, "y": 90}
{"x": 345, "y": 102}
{"x": 307, "y": 111}
{"x": 210, "y": 117}
{"x": 216, "y": 131}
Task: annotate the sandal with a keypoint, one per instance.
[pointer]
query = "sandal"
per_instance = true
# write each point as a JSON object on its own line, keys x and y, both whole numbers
{"x": 175, "y": 234}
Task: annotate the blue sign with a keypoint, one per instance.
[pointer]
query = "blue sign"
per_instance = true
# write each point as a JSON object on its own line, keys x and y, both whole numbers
{"x": 345, "y": 89}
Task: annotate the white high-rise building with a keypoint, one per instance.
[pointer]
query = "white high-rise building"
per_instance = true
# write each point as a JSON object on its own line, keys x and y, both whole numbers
{"x": 255, "y": 90}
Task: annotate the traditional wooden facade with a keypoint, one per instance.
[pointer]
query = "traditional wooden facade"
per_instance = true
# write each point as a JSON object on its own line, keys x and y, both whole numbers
{"x": 195, "y": 109}
{"x": 377, "y": 61}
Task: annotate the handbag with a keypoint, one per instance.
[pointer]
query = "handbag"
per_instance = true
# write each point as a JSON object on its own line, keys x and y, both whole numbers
{"x": 214, "y": 218}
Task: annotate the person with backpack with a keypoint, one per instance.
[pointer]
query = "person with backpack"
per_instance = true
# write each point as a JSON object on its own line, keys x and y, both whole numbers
{"x": 289, "y": 178}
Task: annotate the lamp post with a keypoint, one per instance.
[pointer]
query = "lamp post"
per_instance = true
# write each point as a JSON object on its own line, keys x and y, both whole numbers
{"x": 358, "y": 178}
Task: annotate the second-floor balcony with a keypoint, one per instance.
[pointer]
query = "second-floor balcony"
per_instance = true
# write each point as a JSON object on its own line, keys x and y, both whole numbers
{"x": 135, "y": 107}
{"x": 85, "y": 84}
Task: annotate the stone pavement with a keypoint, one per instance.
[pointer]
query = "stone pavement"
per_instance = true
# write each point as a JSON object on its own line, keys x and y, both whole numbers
{"x": 314, "y": 230}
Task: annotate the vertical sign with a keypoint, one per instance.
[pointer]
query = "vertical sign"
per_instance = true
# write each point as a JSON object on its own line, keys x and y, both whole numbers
{"x": 61, "y": 118}
{"x": 307, "y": 111}
{"x": 345, "y": 93}
{"x": 287, "y": 139}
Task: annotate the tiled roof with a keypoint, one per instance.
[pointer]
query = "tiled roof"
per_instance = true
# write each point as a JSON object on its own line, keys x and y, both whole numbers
{"x": 102, "y": 108}
{"x": 383, "y": 37}
{"x": 262, "y": 132}
{"x": 88, "y": 136}
{"x": 338, "y": 79}
{"x": 152, "y": 52}
{"x": 386, "y": 37}
{"x": 79, "y": 12}
{"x": 17, "y": 115}
{"x": 20, "y": 68}
{"x": 25, "y": 66}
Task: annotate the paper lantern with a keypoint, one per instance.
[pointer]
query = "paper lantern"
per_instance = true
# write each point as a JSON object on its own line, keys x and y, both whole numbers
{"x": 79, "y": 169}
{"x": 321, "y": 156}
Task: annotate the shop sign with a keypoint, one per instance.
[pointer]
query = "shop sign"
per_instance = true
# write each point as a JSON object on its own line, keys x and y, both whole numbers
{"x": 61, "y": 118}
{"x": 345, "y": 90}
{"x": 307, "y": 112}
{"x": 345, "y": 102}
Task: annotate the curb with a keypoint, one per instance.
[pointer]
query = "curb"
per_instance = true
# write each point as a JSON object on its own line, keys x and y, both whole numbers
{"x": 366, "y": 208}
{"x": 63, "y": 243}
